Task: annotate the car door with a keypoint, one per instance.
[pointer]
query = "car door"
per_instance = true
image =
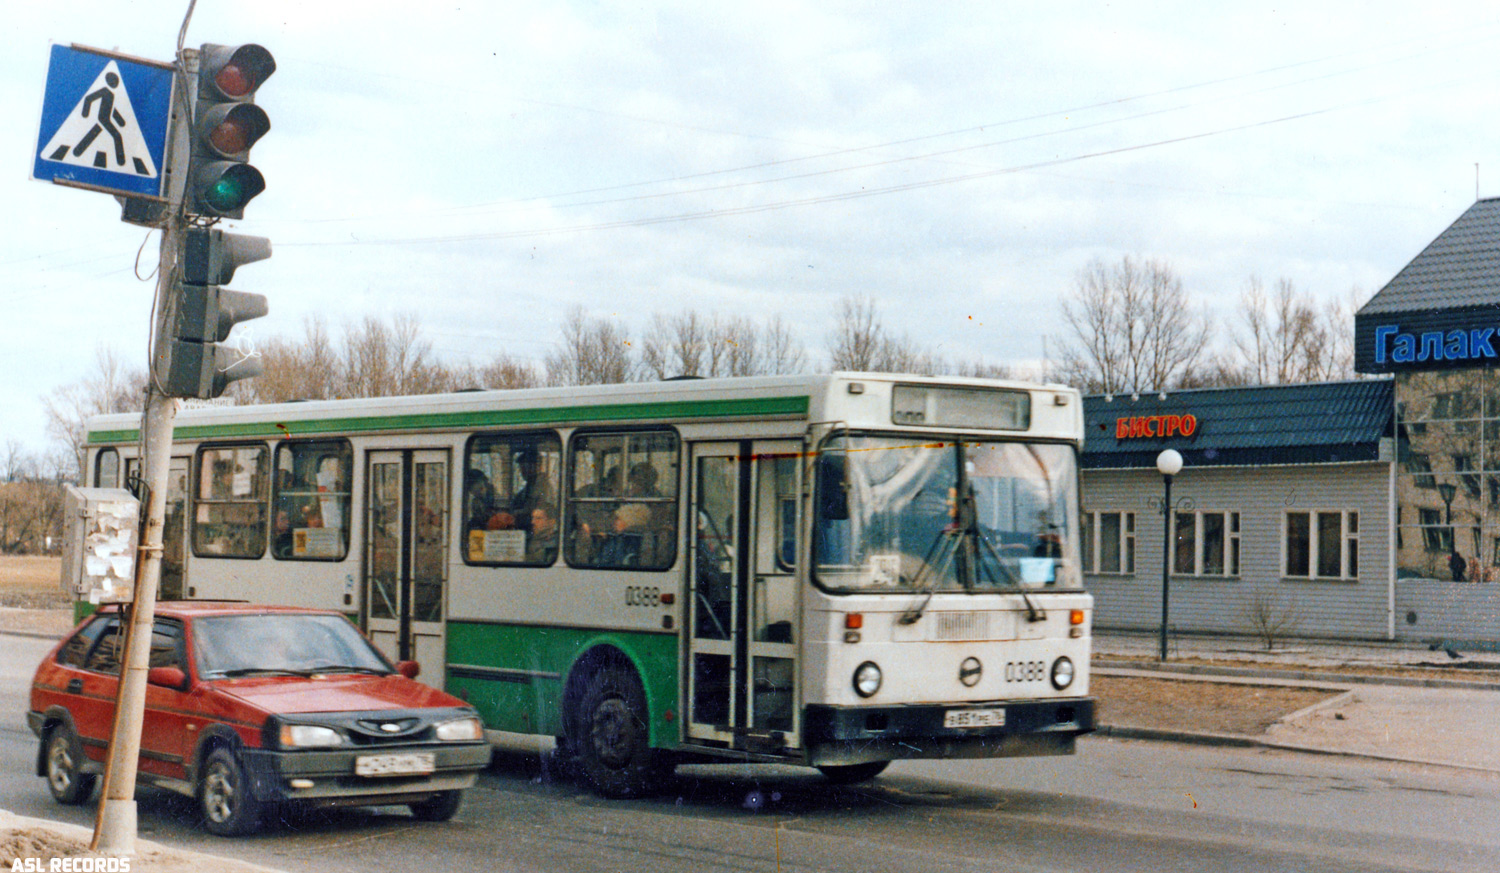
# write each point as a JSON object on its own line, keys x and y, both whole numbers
{"x": 170, "y": 722}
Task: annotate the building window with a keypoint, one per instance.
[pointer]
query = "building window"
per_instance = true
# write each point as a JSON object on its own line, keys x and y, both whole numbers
{"x": 1322, "y": 544}
{"x": 1437, "y": 537}
{"x": 1206, "y": 543}
{"x": 1109, "y": 542}
{"x": 1420, "y": 466}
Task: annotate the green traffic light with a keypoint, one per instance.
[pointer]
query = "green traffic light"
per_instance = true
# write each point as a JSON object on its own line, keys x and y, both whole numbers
{"x": 225, "y": 195}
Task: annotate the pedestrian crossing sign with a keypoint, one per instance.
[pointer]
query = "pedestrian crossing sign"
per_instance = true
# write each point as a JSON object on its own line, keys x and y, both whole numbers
{"x": 104, "y": 122}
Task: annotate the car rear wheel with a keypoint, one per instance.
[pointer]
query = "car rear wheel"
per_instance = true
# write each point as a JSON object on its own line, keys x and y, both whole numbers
{"x": 613, "y": 739}
{"x": 64, "y": 758}
{"x": 224, "y": 796}
{"x": 848, "y": 774}
{"x": 439, "y": 807}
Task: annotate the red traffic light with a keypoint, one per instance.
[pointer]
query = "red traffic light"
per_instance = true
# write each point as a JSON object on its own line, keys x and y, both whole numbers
{"x": 234, "y": 72}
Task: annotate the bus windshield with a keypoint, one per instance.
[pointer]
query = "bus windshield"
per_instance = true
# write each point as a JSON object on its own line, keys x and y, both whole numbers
{"x": 905, "y": 513}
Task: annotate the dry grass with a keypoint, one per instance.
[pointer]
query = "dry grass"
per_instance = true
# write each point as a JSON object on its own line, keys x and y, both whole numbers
{"x": 1193, "y": 705}
{"x": 1332, "y": 672}
{"x": 31, "y": 582}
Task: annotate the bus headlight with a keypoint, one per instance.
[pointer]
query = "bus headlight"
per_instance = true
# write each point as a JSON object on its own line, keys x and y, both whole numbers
{"x": 1062, "y": 673}
{"x": 866, "y": 679}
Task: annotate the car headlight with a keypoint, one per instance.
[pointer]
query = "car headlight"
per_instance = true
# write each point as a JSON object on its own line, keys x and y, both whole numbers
{"x": 1062, "y": 673}
{"x": 460, "y": 729}
{"x": 866, "y": 679}
{"x": 301, "y": 736}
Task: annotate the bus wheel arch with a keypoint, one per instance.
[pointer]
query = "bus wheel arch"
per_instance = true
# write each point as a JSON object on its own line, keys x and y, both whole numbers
{"x": 607, "y": 727}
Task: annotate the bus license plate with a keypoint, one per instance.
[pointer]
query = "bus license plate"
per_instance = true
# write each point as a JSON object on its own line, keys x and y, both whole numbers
{"x": 973, "y": 718}
{"x": 394, "y": 765}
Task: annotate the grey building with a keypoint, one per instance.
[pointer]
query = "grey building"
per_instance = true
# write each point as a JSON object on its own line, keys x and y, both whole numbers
{"x": 1280, "y": 517}
{"x": 1358, "y": 510}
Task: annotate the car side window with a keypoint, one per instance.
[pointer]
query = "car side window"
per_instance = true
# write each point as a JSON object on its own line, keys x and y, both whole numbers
{"x": 166, "y": 645}
{"x": 77, "y": 647}
{"x": 104, "y": 657}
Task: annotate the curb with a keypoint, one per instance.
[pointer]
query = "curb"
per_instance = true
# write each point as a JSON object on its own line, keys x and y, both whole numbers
{"x": 1130, "y": 732}
{"x": 1293, "y": 675}
{"x": 35, "y": 635}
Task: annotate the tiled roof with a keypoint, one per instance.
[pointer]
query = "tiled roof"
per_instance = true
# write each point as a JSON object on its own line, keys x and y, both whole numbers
{"x": 1459, "y": 269}
{"x": 1316, "y": 423}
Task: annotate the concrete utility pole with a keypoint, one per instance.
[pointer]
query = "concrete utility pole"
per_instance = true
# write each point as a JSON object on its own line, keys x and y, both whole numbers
{"x": 115, "y": 824}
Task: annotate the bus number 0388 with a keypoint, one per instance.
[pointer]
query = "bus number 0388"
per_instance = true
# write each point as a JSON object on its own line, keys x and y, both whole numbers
{"x": 1025, "y": 671}
{"x": 638, "y": 595}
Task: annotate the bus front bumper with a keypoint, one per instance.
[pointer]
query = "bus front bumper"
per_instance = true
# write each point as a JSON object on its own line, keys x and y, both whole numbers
{"x": 840, "y": 735}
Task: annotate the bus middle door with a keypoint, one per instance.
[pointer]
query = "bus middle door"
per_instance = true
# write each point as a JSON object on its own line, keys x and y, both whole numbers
{"x": 743, "y": 626}
{"x": 406, "y": 556}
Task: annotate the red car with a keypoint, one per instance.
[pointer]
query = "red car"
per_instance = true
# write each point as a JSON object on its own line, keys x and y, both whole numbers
{"x": 251, "y": 706}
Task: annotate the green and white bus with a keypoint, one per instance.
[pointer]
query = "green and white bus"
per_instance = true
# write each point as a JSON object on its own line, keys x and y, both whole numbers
{"x": 836, "y": 570}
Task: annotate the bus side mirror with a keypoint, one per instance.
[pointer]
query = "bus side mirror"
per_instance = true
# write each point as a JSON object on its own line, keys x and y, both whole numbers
{"x": 833, "y": 490}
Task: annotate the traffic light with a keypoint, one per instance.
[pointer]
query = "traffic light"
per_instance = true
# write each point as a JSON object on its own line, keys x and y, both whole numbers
{"x": 203, "y": 313}
{"x": 226, "y": 123}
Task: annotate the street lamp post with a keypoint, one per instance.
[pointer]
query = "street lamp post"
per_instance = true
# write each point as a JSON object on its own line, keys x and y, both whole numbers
{"x": 1168, "y": 464}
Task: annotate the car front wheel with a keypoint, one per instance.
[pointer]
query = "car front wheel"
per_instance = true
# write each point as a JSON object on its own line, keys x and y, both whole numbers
{"x": 224, "y": 798}
{"x": 439, "y": 807}
{"x": 64, "y": 758}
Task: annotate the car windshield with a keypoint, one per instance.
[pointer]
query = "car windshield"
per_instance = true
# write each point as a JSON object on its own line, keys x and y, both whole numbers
{"x": 908, "y": 513}
{"x": 285, "y": 643}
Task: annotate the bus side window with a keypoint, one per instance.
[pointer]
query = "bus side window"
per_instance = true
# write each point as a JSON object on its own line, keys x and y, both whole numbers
{"x": 622, "y": 504}
{"x": 310, "y": 521}
{"x": 510, "y": 498}
{"x": 229, "y": 502}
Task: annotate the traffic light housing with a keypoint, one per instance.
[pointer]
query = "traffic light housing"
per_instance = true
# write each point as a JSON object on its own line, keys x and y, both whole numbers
{"x": 226, "y": 124}
{"x": 202, "y": 314}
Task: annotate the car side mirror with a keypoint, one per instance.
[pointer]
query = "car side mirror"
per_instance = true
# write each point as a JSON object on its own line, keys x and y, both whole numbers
{"x": 409, "y": 669}
{"x": 169, "y": 677}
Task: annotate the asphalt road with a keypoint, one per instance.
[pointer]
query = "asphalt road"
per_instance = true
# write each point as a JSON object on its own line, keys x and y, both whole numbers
{"x": 1117, "y": 806}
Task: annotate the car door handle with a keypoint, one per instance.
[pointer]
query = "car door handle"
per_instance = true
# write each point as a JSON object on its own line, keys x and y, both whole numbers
{"x": 75, "y": 686}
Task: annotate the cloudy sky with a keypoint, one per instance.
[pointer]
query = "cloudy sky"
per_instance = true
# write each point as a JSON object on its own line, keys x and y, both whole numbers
{"x": 487, "y": 165}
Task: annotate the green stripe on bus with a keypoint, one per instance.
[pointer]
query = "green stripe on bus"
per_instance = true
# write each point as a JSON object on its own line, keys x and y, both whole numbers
{"x": 515, "y": 674}
{"x": 766, "y": 406}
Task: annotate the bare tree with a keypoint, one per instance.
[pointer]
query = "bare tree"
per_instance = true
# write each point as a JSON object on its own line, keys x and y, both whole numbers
{"x": 112, "y": 387}
{"x": 502, "y": 371}
{"x": 860, "y": 342}
{"x": 680, "y": 345}
{"x": 591, "y": 351}
{"x": 383, "y": 360}
{"x": 1132, "y": 329}
{"x": 308, "y": 368}
{"x": 780, "y": 352}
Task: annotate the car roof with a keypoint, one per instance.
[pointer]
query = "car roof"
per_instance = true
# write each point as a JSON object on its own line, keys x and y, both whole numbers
{"x": 188, "y": 609}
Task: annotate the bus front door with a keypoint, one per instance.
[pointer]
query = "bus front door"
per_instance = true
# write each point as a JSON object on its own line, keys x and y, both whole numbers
{"x": 406, "y": 556}
{"x": 742, "y": 647}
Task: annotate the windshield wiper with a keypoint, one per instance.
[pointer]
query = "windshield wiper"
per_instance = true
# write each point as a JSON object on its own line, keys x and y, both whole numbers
{"x": 341, "y": 668}
{"x": 249, "y": 671}
{"x": 944, "y": 545}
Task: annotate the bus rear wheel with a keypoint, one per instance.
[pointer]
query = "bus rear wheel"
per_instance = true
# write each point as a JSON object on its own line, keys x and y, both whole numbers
{"x": 849, "y": 774}
{"x": 612, "y": 738}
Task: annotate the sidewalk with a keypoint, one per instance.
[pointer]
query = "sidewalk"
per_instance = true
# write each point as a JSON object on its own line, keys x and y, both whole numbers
{"x": 1379, "y": 709}
{"x": 24, "y": 838}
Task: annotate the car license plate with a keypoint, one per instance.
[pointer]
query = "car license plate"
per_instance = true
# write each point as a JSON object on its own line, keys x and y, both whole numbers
{"x": 394, "y": 765}
{"x": 973, "y": 718}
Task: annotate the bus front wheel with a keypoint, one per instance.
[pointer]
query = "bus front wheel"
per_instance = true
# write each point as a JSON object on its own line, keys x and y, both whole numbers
{"x": 612, "y": 737}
